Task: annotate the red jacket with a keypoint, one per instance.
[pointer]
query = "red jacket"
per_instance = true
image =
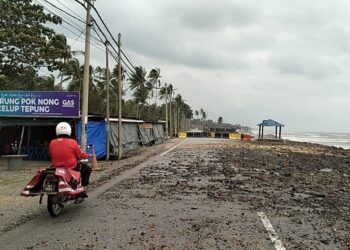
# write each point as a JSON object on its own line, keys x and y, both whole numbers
{"x": 65, "y": 152}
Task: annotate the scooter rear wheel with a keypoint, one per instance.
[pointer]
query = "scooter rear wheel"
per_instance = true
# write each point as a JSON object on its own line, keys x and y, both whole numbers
{"x": 54, "y": 208}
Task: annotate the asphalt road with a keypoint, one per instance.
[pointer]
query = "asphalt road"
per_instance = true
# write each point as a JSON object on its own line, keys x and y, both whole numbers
{"x": 166, "y": 202}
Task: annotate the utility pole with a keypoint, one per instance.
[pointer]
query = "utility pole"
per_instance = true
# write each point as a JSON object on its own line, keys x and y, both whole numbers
{"x": 175, "y": 118}
{"x": 170, "y": 119}
{"x": 166, "y": 111}
{"x": 85, "y": 105}
{"x": 107, "y": 104}
{"x": 119, "y": 99}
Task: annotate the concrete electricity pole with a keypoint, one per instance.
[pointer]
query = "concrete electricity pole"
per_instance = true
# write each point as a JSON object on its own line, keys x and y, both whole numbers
{"x": 107, "y": 104}
{"x": 85, "y": 105}
{"x": 166, "y": 111}
{"x": 119, "y": 99}
{"x": 170, "y": 117}
{"x": 175, "y": 117}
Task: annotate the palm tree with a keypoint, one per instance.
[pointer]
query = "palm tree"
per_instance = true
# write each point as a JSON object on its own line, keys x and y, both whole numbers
{"x": 47, "y": 83}
{"x": 154, "y": 76}
{"x": 99, "y": 80}
{"x": 137, "y": 78}
{"x": 72, "y": 72}
{"x": 140, "y": 97}
{"x": 141, "y": 90}
{"x": 204, "y": 115}
{"x": 113, "y": 88}
{"x": 171, "y": 116}
{"x": 166, "y": 93}
{"x": 58, "y": 51}
{"x": 178, "y": 102}
{"x": 188, "y": 114}
{"x": 59, "y": 48}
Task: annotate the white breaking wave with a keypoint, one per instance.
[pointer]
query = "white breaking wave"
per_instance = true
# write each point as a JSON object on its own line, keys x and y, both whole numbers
{"x": 341, "y": 140}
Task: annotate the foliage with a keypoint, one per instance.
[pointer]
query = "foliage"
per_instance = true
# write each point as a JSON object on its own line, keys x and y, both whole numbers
{"x": 220, "y": 120}
{"x": 25, "y": 41}
{"x": 114, "y": 89}
{"x": 153, "y": 77}
{"x": 141, "y": 88}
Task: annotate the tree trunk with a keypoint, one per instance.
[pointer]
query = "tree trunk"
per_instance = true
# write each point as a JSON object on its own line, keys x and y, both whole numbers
{"x": 137, "y": 109}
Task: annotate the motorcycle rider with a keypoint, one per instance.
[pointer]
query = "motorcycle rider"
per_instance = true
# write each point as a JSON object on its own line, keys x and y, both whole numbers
{"x": 65, "y": 152}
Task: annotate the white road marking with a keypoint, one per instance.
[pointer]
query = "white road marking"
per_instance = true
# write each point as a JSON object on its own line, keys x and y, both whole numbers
{"x": 273, "y": 236}
{"x": 173, "y": 147}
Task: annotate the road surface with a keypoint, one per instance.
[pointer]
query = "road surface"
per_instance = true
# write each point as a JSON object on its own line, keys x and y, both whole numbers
{"x": 189, "y": 197}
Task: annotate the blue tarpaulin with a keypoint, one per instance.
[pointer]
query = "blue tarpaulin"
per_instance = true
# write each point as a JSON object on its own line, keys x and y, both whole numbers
{"x": 96, "y": 135}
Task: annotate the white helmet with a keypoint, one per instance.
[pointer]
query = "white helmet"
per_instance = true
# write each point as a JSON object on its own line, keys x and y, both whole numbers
{"x": 63, "y": 128}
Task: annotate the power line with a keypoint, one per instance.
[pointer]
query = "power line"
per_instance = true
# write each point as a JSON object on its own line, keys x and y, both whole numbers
{"x": 82, "y": 32}
{"x": 96, "y": 45}
{"x": 80, "y": 3}
{"x": 53, "y": 5}
{"x": 70, "y": 22}
{"x": 111, "y": 45}
{"x": 126, "y": 55}
{"x": 70, "y": 10}
{"x": 105, "y": 26}
{"x": 133, "y": 70}
{"x": 65, "y": 21}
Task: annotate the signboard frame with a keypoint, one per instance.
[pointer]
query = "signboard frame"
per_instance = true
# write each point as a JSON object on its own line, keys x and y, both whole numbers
{"x": 36, "y": 104}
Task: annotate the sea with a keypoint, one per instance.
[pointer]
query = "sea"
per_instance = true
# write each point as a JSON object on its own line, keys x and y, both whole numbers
{"x": 340, "y": 140}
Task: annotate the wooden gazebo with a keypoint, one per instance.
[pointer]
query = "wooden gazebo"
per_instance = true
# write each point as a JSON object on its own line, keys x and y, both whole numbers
{"x": 270, "y": 123}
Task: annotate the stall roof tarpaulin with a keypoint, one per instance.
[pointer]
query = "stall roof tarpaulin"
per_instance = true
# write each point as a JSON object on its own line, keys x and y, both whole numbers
{"x": 158, "y": 132}
{"x": 146, "y": 133}
{"x": 96, "y": 135}
{"x": 130, "y": 136}
{"x": 29, "y": 121}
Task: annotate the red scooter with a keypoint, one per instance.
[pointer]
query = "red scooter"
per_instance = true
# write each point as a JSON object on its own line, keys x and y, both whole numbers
{"x": 62, "y": 186}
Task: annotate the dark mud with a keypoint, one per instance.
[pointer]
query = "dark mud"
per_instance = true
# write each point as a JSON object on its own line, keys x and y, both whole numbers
{"x": 213, "y": 192}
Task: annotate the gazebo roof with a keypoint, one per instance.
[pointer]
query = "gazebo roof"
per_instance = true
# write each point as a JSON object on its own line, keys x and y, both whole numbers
{"x": 270, "y": 123}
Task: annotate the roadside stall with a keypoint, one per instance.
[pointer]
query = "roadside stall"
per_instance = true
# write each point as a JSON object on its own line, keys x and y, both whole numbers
{"x": 28, "y": 120}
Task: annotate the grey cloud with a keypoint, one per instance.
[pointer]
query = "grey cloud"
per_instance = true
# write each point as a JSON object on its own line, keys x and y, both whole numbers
{"x": 212, "y": 15}
{"x": 262, "y": 54}
{"x": 315, "y": 67}
{"x": 194, "y": 53}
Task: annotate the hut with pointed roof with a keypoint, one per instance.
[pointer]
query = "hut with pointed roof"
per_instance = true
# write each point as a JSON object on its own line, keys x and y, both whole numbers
{"x": 270, "y": 123}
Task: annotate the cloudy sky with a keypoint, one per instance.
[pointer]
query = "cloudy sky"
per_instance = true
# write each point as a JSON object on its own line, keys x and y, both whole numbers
{"x": 244, "y": 60}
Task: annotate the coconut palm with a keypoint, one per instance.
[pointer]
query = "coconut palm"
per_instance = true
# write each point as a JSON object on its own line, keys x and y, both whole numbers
{"x": 61, "y": 53}
{"x": 204, "y": 116}
{"x": 99, "y": 79}
{"x": 72, "y": 72}
{"x": 220, "y": 120}
{"x": 114, "y": 87}
{"x": 141, "y": 89}
{"x": 46, "y": 83}
{"x": 153, "y": 77}
{"x": 188, "y": 114}
{"x": 178, "y": 106}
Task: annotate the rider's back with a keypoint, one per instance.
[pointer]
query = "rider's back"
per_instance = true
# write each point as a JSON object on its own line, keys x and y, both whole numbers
{"x": 65, "y": 152}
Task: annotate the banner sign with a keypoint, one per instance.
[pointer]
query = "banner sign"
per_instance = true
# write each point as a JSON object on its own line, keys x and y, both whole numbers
{"x": 39, "y": 103}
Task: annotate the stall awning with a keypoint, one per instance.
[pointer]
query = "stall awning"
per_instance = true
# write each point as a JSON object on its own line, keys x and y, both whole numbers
{"x": 16, "y": 121}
